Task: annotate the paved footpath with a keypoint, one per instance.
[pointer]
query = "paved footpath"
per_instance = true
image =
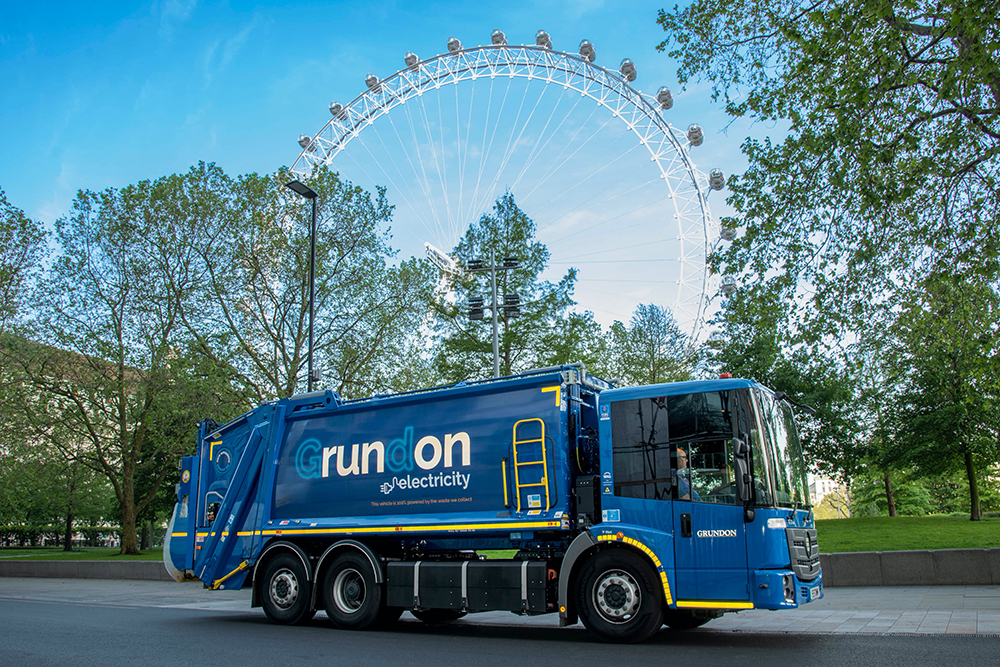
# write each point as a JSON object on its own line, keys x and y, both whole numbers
{"x": 878, "y": 610}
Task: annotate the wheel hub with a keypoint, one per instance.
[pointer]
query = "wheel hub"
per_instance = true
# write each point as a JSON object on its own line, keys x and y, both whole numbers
{"x": 349, "y": 591}
{"x": 284, "y": 588}
{"x": 617, "y": 596}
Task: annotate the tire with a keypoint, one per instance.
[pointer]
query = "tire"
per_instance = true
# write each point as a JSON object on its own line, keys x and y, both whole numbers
{"x": 438, "y": 616}
{"x": 618, "y": 597}
{"x": 352, "y": 598}
{"x": 678, "y": 619}
{"x": 285, "y": 590}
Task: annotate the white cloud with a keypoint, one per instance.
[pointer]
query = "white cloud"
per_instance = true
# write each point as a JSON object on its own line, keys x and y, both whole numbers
{"x": 215, "y": 60}
{"x": 173, "y": 13}
{"x": 577, "y": 8}
{"x": 58, "y": 203}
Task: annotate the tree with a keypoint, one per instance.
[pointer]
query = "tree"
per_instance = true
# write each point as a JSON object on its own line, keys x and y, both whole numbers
{"x": 22, "y": 248}
{"x": 889, "y": 166}
{"x": 750, "y": 342}
{"x": 651, "y": 349}
{"x": 950, "y": 350}
{"x": 543, "y": 334}
{"x": 892, "y": 149}
{"x": 251, "y": 306}
{"x": 107, "y": 380}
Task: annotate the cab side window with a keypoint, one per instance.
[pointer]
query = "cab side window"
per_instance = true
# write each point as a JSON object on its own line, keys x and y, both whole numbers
{"x": 641, "y": 450}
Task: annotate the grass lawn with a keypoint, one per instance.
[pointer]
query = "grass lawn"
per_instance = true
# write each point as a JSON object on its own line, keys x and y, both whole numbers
{"x": 879, "y": 533}
{"x": 882, "y": 533}
{"x": 87, "y": 553}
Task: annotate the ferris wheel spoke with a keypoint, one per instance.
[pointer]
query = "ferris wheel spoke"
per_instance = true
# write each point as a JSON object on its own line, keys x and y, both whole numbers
{"x": 539, "y": 147}
{"x": 485, "y": 149}
{"x": 583, "y": 182}
{"x": 511, "y": 145}
{"x": 409, "y": 200}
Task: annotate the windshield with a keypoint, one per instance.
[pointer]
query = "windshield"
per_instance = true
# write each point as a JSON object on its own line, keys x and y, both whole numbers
{"x": 783, "y": 452}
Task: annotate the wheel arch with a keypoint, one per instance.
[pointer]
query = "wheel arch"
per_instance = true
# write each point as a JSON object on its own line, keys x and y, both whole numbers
{"x": 270, "y": 551}
{"x": 583, "y": 547}
{"x": 340, "y": 547}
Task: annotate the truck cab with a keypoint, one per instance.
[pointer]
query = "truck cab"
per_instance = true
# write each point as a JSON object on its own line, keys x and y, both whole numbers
{"x": 711, "y": 476}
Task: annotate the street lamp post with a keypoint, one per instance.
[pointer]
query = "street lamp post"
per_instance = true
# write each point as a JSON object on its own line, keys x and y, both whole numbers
{"x": 307, "y": 192}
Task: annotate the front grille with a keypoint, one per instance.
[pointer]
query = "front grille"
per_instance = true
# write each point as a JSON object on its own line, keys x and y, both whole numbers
{"x": 803, "y": 550}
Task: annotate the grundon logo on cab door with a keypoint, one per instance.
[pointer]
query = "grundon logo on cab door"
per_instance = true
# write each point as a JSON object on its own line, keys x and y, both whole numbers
{"x": 728, "y": 532}
{"x": 313, "y": 460}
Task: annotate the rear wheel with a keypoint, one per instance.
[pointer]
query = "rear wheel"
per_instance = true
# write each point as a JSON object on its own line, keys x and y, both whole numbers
{"x": 619, "y": 598}
{"x": 438, "y": 616}
{"x": 352, "y": 598}
{"x": 284, "y": 591}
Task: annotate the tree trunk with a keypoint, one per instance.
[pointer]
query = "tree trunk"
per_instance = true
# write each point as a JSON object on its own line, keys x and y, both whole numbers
{"x": 129, "y": 544}
{"x": 975, "y": 513}
{"x": 68, "y": 542}
{"x": 144, "y": 538}
{"x": 889, "y": 496}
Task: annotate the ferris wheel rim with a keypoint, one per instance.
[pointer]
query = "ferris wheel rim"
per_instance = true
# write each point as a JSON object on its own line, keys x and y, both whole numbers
{"x": 548, "y": 59}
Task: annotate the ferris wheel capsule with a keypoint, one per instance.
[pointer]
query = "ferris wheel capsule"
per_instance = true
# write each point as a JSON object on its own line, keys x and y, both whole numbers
{"x": 727, "y": 234}
{"x": 543, "y": 40}
{"x": 716, "y": 180}
{"x": 695, "y": 135}
{"x": 498, "y": 38}
{"x": 587, "y": 50}
{"x": 627, "y": 68}
{"x": 337, "y": 110}
{"x": 729, "y": 286}
{"x": 371, "y": 81}
{"x": 411, "y": 59}
{"x": 664, "y": 97}
{"x": 306, "y": 142}
{"x": 454, "y": 45}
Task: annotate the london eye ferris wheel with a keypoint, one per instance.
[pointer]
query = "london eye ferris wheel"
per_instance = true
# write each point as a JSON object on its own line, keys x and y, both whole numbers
{"x": 610, "y": 183}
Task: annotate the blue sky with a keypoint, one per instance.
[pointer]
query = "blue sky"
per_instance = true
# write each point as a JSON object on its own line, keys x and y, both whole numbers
{"x": 100, "y": 95}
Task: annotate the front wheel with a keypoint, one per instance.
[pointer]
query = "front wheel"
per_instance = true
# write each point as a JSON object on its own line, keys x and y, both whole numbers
{"x": 352, "y": 598}
{"x": 619, "y": 598}
{"x": 284, "y": 591}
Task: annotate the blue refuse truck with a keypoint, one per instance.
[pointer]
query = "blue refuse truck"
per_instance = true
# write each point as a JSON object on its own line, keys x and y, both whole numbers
{"x": 546, "y": 492}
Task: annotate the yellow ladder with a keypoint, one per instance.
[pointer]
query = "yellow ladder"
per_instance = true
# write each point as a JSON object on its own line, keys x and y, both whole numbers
{"x": 539, "y": 443}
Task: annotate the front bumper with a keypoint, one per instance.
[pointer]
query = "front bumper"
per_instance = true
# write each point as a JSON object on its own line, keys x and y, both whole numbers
{"x": 769, "y": 589}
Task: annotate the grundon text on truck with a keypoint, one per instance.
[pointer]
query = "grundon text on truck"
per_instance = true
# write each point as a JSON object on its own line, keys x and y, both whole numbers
{"x": 626, "y": 508}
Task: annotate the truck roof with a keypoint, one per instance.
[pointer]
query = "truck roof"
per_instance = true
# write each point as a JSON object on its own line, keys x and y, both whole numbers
{"x": 675, "y": 388}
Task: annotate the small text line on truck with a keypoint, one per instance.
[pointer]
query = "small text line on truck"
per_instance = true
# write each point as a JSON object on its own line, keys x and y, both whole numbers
{"x": 626, "y": 508}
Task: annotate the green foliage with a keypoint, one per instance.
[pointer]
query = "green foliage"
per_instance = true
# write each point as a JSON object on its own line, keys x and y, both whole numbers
{"x": 749, "y": 342}
{"x": 22, "y": 248}
{"x": 249, "y": 309}
{"x": 912, "y": 495}
{"x": 542, "y": 335}
{"x": 949, "y": 400}
{"x": 651, "y": 349}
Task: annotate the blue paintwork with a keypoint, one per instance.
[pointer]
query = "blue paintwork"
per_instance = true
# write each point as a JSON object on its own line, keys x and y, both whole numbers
{"x": 267, "y": 474}
{"x": 711, "y": 564}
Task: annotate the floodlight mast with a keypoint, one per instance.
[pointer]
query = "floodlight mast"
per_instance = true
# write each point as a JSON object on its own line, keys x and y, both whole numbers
{"x": 509, "y": 263}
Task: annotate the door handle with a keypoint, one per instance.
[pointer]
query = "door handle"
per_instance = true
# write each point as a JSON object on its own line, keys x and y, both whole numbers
{"x": 685, "y": 525}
